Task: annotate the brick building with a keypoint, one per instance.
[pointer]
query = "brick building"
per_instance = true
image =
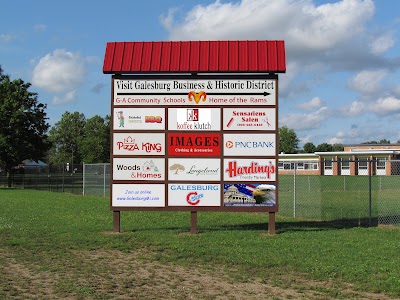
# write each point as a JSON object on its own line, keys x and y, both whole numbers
{"x": 358, "y": 159}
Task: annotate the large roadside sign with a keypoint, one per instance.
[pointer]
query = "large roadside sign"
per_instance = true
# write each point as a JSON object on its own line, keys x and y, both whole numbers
{"x": 215, "y": 92}
{"x": 194, "y": 142}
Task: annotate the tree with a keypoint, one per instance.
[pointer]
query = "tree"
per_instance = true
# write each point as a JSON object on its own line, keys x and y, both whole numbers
{"x": 288, "y": 140}
{"x": 383, "y": 141}
{"x": 94, "y": 145}
{"x": 370, "y": 143}
{"x": 309, "y": 147}
{"x": 337, "y": 147}
{"x": 23, "y": 130}
{"x": 66, "y": 135}
{"x": 324, "y": 147}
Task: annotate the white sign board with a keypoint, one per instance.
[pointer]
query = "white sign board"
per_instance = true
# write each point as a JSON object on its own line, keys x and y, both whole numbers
{"x": 139, "y": 118}
{"x": 249, "y": 119}
{"x": 194, "y": 119}
{"x": 138, "y": 144}
{"x": 139, "y": 169}
{"x": 138, "y": 195}
{"x": 195, "y": 92}
{"x": 259, "y": 170}
{"x": 189, "y": 169}
{"x": 194, "y": 194}
{"x": 249, "y": 144}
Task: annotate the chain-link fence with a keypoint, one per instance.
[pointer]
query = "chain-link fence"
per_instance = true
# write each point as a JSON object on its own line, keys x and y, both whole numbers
{"x": 96, "y": 179}
{"x": 368, "y": 193}
{"x": 56, "y": 178}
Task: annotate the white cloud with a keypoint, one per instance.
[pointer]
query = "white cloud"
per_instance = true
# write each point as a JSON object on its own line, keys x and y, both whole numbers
{"x": 342, "y": 137}
{"x": 60, "y": 72}
{"x": 386, "y": 106}
{"x": 354, "y": 109}
{"x": 306, "y": 121}
{"x": 367, "y": 82}
{"x": 381, "y": 44}
{"x": 67, "y": 98}
{"x": 304, "y": 25}
{"x": 315, "y": 102}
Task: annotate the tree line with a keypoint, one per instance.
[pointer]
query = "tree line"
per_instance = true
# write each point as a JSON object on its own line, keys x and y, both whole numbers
{"x": 26, "y": 134}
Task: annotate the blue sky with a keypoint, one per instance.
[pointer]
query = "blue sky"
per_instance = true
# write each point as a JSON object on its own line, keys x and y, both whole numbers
{"x": 342, "y": 81}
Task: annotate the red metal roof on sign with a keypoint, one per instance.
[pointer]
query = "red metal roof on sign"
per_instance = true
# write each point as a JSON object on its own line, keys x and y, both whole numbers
{"x": 195, "y": 57}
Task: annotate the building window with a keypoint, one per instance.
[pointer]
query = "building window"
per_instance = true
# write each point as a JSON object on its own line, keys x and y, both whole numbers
{"x": 363, "y": 165}
{"x": 328, "y": 164}
{"x": 345, "y": 163}
{"x": 298, "y": 165}
{"x": 381, "y": 163}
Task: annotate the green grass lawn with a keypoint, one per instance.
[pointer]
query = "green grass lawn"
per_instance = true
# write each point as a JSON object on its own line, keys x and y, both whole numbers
{"x": 43, "y": 229}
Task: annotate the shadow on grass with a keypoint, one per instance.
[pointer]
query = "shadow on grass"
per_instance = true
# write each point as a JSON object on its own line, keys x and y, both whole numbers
{"x": 281, "y": 226}
{"x": 303, "y": 225}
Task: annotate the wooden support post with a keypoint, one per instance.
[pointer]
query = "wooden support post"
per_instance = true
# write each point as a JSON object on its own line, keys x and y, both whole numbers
{"x": 193, "y": 222}
{"x": 271, "y": 223}
{"x": 116, "y": 221}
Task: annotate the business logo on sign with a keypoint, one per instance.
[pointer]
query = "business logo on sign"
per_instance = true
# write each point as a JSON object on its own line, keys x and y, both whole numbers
{"x": 229, "y": 144}
{"x": 194, "y": 195}
{"x": 254, "y": 168}
{"x": 254, "y": 144}
{"x": 138, "y": 168}
{"x": 249, "y": 119}
{"x": 142, "y": 118}
{"x": 129, "y": 144}
{"x": 249, "y": 194}
{"x": 188, "y": 144}
{"x": 193, "y": 198}
{"x": 178, "y": 168}
{"x": 249, "y": 145}
{"x": 193, "y": 119}
{"x": 153, "y": 119}
{"x": 197, "y": 96}
{"x": 193, "y": 114}
{"x": 148, "y": 171}
{"x": 188, "y": 169}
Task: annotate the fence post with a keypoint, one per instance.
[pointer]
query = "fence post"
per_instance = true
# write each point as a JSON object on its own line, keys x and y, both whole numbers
{"x": 370, "y": 191}
{"x": 294, "y": 191}
{"x": 104, "y": 180}
{"x": 63, "y": 168}
{"x": 83, "y": 179}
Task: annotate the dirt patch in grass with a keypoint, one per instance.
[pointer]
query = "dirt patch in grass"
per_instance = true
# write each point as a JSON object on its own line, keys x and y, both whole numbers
{"x": 101, "y": 274}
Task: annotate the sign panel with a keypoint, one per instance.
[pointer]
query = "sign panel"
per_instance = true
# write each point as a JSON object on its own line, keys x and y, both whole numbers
{"x": 139, "y": 143}
{"x": 189, "y": 169}
{"x": 250, "y": 170}
{"x": 194, "y": 144}
{"x": 138, "y": 195}
{"x": 195, "y": 92}
{"x": 138, "y": 169}
{"x": 194, "y": 119}
{"x": 249, "y": 144}
{"x": 180, "y": 194}
{"x": 139, "y": 118}
{"x": 249, "y": 194}
{"x": 249, "y": 119}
